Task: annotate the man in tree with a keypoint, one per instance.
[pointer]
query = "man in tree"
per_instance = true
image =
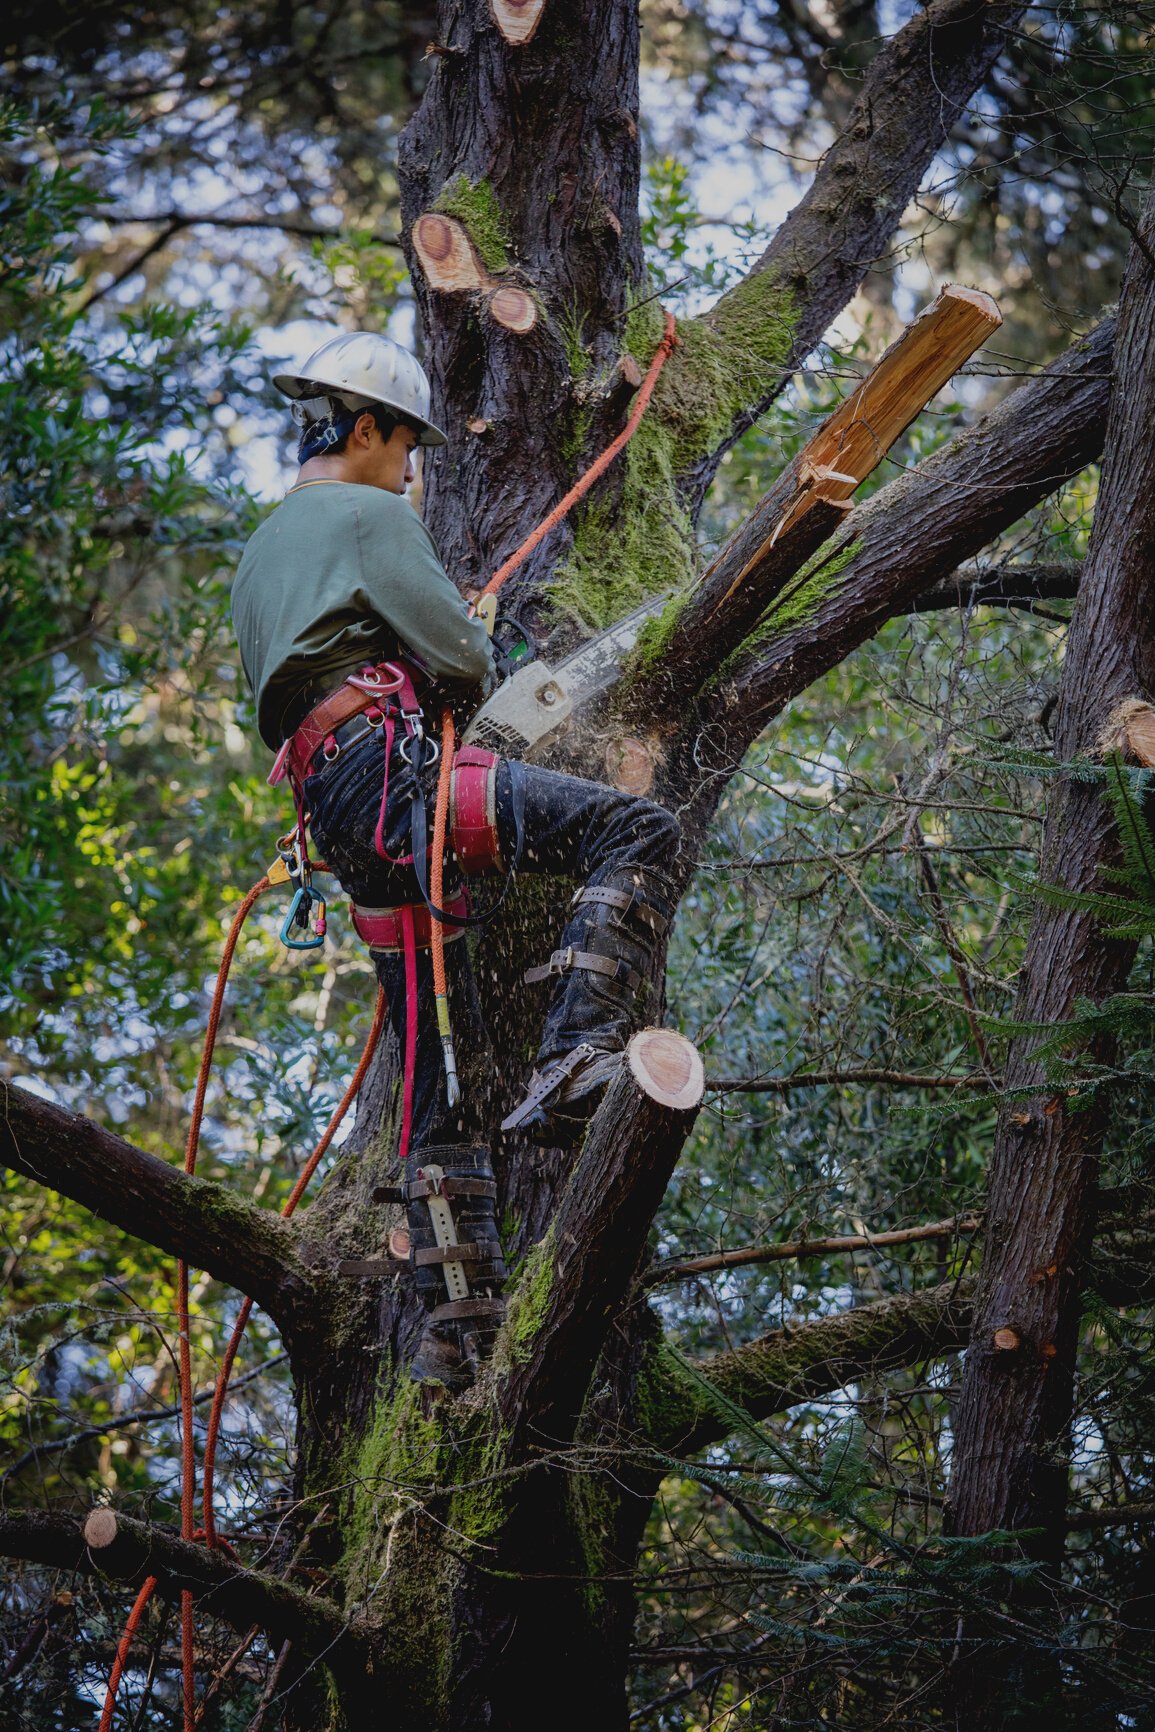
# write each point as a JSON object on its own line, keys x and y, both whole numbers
{"x": 351, "y": 634}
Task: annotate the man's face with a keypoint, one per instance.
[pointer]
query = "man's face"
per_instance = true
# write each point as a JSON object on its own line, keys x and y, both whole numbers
{"x": 392, "y": 458}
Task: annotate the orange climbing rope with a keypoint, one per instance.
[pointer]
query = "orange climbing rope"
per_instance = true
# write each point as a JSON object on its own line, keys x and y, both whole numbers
{"x": 188, "y": 1456}
{"x": 560, "y": 511}
{"x": 597, "y": 468}
{"x": 208, "y": 1467}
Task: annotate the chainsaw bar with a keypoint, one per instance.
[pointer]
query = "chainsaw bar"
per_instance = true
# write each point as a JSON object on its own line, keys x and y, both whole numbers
{"x": 530, "y": 709}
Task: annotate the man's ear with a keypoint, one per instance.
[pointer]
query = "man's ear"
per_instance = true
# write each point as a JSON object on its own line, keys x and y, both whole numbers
{"x": 364, "y": 428}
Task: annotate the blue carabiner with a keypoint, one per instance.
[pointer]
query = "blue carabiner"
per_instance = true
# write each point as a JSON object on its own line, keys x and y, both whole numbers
{"x": 298, "y": 915}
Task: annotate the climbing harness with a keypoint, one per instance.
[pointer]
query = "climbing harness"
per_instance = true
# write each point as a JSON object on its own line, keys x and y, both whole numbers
{"x": 466, "y": 811}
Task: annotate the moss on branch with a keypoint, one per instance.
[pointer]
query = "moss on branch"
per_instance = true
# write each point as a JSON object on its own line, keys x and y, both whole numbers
{"x": 642, "y": 541}
{"x": 790, "y": 1366}
{"x": 474, "y": 204}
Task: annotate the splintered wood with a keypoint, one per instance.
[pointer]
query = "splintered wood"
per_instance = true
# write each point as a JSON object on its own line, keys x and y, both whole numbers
{"x": 856, "y": 438}
{"x": 450, "y": 262}
{"x": 853, "y": 441}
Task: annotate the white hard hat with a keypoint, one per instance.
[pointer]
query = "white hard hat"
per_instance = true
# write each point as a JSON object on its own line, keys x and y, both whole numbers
{"x": 361, "y": 369}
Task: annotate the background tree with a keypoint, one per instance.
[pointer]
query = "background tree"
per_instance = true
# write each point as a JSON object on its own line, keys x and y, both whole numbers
{"x": 423, "y": 1556}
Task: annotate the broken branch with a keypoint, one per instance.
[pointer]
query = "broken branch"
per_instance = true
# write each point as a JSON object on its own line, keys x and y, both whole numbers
{"x": 808, "y": 499}
{"x": 928, "y": 520}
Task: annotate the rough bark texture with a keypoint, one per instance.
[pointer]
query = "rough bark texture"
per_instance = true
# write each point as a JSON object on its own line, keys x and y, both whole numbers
{"x": 1014, "y": 1413}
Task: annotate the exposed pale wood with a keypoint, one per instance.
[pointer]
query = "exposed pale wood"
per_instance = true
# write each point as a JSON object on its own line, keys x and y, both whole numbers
{"x": 1130, "y": 730}
{"x": 1141, "y": 736}
{"x": 599, "y": 1233}
{"x": 623, "y": 382}
{"x": 513, "y": 308}
{"x": 125, "y": 1549}
{"x": 667, "y": 1067}
{"x": 630, "y": 765}
{"x": 517, "y": 19}
{"x": 447, "y": 255}
{"x": 100, "y": 1529}
{"x": 853, "y": 441}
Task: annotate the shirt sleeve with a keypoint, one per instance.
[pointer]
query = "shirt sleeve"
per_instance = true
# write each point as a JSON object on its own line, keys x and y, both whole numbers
{"x": 406, "y": 583}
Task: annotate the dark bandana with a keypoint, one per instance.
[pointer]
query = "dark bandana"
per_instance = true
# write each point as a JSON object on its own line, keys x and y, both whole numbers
{"x": 321, "y": 436}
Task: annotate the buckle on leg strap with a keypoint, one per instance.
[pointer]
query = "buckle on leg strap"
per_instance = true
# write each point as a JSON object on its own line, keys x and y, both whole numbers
{"x": 565, "y": 961}
{"x": 626, "y": 901}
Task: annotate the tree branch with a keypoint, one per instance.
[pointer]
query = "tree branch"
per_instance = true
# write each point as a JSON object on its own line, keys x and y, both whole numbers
{"x": 579, "y": 1274}
{"x": 1001, "y": 586}
{"x": 928, "y": 520}
{"x": 913, "y": 94}
{"x": 115, "y": 1545}
{"x": 145, "y": 1416}
{"x": 802, "y": 1079}
{"x": 791, "y": 1366}
{"x": 203, "y": 1223}
{"x": 811, "y": 496}
{"x": 749, "y": 1254}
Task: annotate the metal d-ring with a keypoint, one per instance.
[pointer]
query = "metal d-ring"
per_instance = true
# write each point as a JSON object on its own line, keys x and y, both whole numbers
{"x": 433, "y": 747}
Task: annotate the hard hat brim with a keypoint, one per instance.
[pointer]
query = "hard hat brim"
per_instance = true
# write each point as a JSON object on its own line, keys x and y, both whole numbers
{"x": 296, "y": 385}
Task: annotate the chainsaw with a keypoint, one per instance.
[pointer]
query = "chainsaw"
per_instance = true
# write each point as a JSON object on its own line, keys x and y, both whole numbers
{"x": 535, "y": 701}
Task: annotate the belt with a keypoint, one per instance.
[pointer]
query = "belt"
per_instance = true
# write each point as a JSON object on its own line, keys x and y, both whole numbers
{"x": 362, "y": 692}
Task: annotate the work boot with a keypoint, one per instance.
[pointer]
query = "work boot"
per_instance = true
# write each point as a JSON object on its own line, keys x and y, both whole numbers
{"x": 449, "y": 1195}
{"x": 604, "y": 959}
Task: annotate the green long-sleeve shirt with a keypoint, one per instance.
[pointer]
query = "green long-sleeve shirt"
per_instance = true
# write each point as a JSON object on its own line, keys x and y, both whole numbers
{"x": 342, "y": 574}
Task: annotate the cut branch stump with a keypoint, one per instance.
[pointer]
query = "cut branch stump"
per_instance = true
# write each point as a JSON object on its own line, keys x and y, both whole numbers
{"x": 517, "y": 20}
{"x": 599, "y": 1234}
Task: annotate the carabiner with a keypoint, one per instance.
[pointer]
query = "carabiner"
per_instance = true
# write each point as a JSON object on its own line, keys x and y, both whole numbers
{"x": 298, "y": 915}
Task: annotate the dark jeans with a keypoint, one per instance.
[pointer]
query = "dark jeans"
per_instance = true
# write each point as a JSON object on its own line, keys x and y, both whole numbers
{"x": 569, "y": 827}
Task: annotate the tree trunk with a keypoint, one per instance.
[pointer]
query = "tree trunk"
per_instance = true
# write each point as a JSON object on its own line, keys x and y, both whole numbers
{"x": 1012, "y": 1436}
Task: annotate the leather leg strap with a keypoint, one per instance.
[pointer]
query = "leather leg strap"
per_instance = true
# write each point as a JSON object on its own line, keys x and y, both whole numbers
{"x": 592, "y": 961}
{"x": 543, "y": 1083}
